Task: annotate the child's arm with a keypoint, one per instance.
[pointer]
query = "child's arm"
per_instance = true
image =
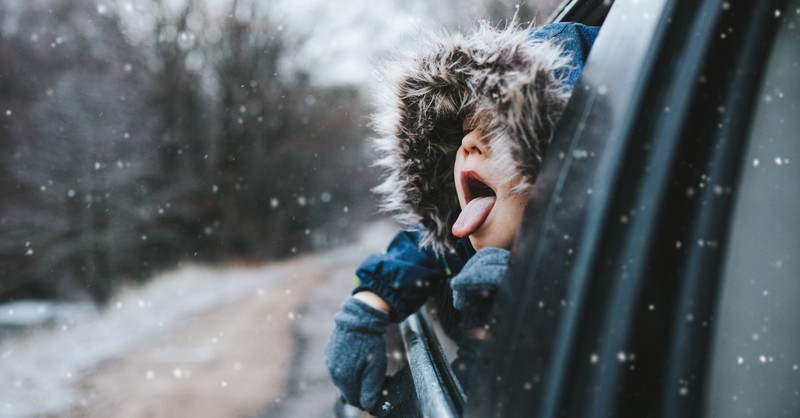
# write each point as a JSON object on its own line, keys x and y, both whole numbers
{"x": 391, "y": 286}
{"x": 400, "y": 280}
{"x": 372, "y": 299}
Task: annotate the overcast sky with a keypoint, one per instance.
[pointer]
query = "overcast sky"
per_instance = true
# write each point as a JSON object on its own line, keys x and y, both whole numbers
{"x": 349, "y": 36}
{"x": 347, "y": 39}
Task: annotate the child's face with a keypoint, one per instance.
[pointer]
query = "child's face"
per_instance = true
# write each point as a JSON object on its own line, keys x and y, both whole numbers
{"x": 491, "y": 211}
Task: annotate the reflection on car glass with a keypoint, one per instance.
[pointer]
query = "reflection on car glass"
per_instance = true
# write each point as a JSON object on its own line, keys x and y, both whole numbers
{"x": 756, "y": 359}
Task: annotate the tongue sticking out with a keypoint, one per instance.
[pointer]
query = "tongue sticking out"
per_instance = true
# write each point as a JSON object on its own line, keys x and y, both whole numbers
{"x": 473, "y": 215}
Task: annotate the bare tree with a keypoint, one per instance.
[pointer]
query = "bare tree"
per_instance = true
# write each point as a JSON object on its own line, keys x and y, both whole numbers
{"x": 130, "y": 152}
{"x": 76, "y": 163}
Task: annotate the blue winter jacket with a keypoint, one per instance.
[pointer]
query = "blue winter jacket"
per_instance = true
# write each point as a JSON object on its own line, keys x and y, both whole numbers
{"x": 406, "y": 275}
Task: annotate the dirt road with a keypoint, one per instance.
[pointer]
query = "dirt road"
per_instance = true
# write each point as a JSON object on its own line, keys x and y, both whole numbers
{"x": 257, "y": 352}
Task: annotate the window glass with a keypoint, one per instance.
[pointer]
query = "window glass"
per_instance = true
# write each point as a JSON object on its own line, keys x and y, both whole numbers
{"x": 756, "y": 359}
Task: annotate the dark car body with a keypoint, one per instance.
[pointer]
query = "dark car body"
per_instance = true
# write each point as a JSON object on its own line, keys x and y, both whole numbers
{"x": 657, "y": 270}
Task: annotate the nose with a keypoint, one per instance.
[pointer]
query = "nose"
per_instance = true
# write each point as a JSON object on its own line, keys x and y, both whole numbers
{"x": 472, "y": 143}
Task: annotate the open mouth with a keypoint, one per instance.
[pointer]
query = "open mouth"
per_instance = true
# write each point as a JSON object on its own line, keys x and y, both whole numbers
{"x": 479, "y": 199}
{"x": 474, "y": 187}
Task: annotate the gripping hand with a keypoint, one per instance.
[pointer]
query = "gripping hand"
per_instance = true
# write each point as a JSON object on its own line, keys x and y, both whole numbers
{"x": 474, "y": 287}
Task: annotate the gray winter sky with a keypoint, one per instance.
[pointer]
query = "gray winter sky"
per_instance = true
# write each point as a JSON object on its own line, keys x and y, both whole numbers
{"x": 342, "y": 39}
{"x": 346, "y": 37}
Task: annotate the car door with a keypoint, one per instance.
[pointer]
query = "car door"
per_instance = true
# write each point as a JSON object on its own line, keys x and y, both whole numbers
{"x": 613, "y": 287}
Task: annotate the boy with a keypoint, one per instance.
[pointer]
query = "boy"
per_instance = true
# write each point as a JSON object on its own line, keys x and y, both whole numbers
{"x": 462, "y": 140}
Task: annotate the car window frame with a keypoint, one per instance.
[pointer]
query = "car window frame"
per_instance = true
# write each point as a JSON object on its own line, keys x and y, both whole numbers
{"x": 438, "y": 391}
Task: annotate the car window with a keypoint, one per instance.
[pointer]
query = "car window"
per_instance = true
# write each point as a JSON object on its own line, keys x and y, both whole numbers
{"x": 755, "y": 366}
{"x": 631, "y": 336}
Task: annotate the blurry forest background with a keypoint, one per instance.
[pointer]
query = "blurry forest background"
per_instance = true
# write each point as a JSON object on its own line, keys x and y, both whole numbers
{"x": 140, "y": 135}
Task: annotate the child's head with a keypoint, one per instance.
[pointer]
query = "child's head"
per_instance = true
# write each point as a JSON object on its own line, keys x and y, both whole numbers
{"x": 465, "y": 128}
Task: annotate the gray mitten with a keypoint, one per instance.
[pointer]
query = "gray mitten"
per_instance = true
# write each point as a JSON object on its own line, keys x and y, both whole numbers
{"x": 356, "y": 352}
{"x": 475, "y": 285}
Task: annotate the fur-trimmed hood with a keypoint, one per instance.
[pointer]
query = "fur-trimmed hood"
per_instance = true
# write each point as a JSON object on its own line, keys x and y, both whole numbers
{"x": 515, "y": 81}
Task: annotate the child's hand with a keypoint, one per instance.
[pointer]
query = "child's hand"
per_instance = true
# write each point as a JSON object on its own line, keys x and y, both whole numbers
{"x": 356, "y": 353}
{"x": 474, "y": 287}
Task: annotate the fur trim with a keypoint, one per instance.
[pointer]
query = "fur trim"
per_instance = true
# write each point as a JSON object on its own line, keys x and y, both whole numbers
{"x": 502, "y": 77}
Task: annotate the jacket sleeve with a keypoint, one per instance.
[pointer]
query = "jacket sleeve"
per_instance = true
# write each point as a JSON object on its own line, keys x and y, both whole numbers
{"x": 405, "y": 276}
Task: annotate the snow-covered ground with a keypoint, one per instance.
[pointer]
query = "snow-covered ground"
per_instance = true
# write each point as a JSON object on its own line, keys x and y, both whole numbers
{"x": 42, "y": 370}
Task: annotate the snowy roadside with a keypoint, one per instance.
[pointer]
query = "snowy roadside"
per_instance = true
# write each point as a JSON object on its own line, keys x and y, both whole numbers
{"x": 41, "y": 372}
